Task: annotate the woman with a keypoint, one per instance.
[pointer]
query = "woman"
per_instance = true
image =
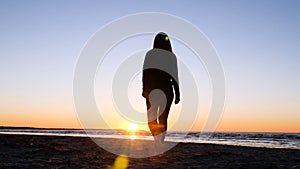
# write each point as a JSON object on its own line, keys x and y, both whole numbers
{"x": 160, "y": 76}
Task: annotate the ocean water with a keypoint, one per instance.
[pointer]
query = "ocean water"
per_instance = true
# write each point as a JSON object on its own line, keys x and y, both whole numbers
{"x": 255, "y": 139}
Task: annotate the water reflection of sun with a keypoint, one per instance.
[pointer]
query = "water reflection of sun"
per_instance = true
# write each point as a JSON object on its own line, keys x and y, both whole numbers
{"x": 131, "y": 128}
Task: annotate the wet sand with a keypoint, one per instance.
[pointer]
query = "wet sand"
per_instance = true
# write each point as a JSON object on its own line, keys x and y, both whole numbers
{"x": 24, "y": 151}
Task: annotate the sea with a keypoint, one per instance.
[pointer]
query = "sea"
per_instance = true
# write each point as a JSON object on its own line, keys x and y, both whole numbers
{"x": 251, "y": 139}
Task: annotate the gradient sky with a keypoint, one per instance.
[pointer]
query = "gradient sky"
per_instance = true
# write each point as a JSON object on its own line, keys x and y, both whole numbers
{"x": 257, "y": 42}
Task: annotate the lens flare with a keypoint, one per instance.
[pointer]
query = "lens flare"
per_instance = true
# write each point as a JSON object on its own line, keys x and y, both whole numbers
{"x": 121, "y": 162}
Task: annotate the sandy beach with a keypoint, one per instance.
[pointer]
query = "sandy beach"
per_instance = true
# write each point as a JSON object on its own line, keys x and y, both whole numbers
{"x": 25, "y": 151}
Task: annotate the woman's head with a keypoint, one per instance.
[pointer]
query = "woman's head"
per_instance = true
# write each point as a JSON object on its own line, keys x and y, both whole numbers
{"x": 162, "y": 41}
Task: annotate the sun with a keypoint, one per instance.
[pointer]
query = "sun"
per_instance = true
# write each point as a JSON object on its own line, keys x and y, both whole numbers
{"x": 132, "y": 127}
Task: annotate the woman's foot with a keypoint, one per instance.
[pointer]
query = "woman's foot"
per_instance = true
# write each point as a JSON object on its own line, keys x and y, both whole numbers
{"x": 159, "y": 147}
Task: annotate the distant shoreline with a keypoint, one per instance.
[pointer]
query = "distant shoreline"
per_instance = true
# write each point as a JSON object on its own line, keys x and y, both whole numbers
{"x": 40, "y": 128}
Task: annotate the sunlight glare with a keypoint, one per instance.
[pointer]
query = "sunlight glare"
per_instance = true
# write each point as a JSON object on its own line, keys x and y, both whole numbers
{"x": 132, "y": 137}
{"x": 132, "y": 127}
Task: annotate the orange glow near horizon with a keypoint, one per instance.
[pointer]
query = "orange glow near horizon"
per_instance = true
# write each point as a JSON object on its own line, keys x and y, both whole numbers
{"x": 228, "y": 123}
{"x": 258, "y": 125}
{"x": 225, "y": 125}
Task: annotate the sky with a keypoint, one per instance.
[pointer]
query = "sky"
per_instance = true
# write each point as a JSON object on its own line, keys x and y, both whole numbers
{"x": 257, "y": 43}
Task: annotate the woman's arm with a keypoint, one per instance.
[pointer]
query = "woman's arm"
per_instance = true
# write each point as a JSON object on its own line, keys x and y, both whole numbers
{"x": 175, "y": 81}
{"x": 177, "y": 93}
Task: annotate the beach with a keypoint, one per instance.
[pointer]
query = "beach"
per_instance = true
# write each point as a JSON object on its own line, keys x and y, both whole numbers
{"x": 27, "y": 151}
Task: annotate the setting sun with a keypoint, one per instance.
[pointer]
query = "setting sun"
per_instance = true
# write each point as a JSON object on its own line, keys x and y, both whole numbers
{"x": 132, "y": 127}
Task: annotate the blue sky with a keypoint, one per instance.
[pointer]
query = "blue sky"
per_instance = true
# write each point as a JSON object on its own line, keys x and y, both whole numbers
{"x": 257, "y": 42}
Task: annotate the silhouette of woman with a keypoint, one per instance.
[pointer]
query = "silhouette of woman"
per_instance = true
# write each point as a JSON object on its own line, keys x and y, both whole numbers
{"x": 160, "y": 76}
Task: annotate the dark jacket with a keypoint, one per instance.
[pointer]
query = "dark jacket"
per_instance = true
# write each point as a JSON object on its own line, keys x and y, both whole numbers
{"x": 160, "y": 72}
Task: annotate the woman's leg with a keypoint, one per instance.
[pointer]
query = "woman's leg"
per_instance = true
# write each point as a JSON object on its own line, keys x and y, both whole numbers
{"x": 163, "y": 118}
{"x": 156, "y": 104}
{"x": 152, "y": 117}
{"x": 152, "y": 109}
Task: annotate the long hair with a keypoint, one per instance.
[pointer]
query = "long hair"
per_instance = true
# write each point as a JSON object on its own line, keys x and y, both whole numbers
{"x": 162, "y": 41}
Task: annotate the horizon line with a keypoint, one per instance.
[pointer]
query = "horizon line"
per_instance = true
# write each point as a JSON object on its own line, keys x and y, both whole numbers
{"x": 68, "y": 128}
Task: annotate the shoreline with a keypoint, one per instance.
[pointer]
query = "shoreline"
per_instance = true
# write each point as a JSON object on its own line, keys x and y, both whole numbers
{"x": 50, "y": 128}
{"x": 125, "y": 137}
{"x": 25, "y": 151}
{"x": 86, "y": 136}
